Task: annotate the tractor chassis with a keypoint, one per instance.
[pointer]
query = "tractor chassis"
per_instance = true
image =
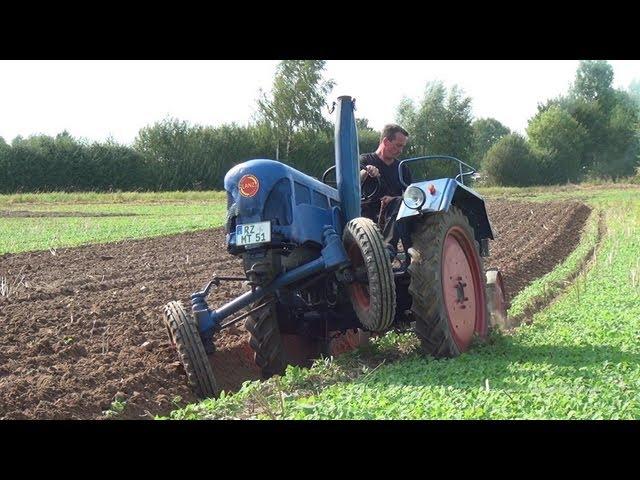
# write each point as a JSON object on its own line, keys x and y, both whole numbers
{"x": 333, "y": 256}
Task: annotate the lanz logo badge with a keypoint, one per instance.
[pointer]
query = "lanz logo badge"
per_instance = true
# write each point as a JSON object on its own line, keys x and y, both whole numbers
{"x": 249, "y": 185}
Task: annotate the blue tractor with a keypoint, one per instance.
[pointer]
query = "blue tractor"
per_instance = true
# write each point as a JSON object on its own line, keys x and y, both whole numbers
{"x": 320, "y": 276}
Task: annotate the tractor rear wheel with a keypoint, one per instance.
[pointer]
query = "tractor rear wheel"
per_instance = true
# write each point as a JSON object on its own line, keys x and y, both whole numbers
{"x": 373, "y": 299}
{"x": 183, "y": 333}
{"x": 447, "y": 284}
{"x": 274, "y": 350}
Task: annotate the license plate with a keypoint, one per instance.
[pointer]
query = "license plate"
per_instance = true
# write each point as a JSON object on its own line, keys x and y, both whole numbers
{"x": 253, "y": 233}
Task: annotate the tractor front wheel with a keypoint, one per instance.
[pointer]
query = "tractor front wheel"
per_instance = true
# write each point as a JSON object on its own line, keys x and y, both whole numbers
{"x": 373, "y": 293}
{"x": 183, "y": 333}
{"x": 447, "y": 284}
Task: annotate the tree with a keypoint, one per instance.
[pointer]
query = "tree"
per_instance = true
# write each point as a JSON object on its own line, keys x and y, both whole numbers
{"x": 5, "y": 152}
{"x": 621, "y": 156}
{"x": 510, "y": 161}
{"x": 593, "y": 80}
{"x": 297, "y": 99}
{"x": 591, "y": 116}
{"x": 634, "y": 92}
{"x": 439, "y": 125}
{"x": 406, "y": 113}
{"x": 559, "y": 140}
{"x": 486, "y": 132}
{"x": 608, "y": 116}
{"x": 194, "y": 156}
{"x": 362, "y": 124}
{"x": 459, "y": 129}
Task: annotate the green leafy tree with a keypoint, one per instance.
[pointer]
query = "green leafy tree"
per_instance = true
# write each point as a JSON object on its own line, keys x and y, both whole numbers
{"x": 439, "y": 125}
{"x": 634, "y": 92}
{"x": 593, "y": 80}
{"x": 406, "y": 114}
{"x": 194, "y": 156}
{"x": 621, "y": 157}
{"x": 610, "y": 117}
{"x": 296, "y": 101}
{"x": 592, "y": 117}
{"x": 486, "y": 132}
{"x": 459, "y": 124}
{"x": 5, "y": 156}
{"x": 362, "y": 124}
{"x": 511, "y": 162}
{"x": 559, "y": 139}
{"x": 368, "y": 140}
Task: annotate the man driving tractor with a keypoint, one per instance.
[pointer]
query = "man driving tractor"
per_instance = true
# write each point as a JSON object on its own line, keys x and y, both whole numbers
{"x": 383, "y": 207}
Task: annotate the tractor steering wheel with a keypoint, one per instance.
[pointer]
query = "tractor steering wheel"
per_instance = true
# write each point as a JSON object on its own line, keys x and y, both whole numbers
{"x": 376, "y": 188}
{"x": 365, "y": 194}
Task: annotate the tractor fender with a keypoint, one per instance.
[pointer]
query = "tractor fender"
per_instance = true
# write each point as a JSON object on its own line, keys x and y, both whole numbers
{"x": 444, "y": 192}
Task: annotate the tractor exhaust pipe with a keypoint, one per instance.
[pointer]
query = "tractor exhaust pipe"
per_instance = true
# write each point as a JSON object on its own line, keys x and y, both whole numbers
{"x": 347, "y": 158}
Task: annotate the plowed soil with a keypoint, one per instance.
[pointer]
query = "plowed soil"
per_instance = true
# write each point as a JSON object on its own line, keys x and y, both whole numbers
{"x": 80, "y": 327}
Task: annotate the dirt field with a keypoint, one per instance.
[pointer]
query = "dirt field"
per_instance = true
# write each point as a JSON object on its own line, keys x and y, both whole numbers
{"x": 82, "y": 326}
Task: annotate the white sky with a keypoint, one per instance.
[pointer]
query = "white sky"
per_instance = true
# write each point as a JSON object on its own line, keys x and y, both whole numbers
{"x": 100, "y": 99}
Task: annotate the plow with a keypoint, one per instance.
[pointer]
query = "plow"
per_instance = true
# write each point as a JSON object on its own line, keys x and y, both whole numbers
{"x": 319, "y": 277}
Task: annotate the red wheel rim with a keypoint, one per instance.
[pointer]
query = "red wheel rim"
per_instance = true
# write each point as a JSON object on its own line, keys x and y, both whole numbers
{"x": 359, "y": 292}
{"x": 462, "y": 288}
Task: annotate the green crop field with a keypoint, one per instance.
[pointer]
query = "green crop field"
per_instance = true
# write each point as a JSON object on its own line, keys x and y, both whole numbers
{"x": 48, "y": 221}
{"x": 578, "y": 358}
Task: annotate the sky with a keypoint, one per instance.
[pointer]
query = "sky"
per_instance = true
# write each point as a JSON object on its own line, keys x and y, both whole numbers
{"x": 99, "y": 99}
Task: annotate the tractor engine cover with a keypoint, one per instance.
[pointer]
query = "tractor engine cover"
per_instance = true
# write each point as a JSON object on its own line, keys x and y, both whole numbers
{"x": 265, "y": 194}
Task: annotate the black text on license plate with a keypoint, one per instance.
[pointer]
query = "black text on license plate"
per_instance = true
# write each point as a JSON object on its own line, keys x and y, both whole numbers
{"x": 252, "y": 233}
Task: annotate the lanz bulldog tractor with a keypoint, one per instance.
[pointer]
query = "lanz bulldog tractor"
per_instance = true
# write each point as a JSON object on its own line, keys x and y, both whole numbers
{"x": 321, "y": 276}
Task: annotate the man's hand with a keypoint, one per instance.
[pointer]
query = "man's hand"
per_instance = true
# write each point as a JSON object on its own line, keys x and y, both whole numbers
{"x": 369, "y": 170}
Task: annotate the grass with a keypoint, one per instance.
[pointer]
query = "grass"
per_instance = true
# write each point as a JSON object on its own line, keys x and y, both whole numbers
{"x": 68, "y": 220}
{"x": 583, "y": 192}
{"x": 115, "y": 197}
{"x": 578, "y": 359}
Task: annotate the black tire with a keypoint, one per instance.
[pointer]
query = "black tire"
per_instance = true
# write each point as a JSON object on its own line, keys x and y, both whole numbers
{"x": 374, "y": 302}
{"x": 183, "y": 334}
{"x": 434, "y": 325}
{"x": 274, "y": 350}
{"x": 266, "y": 340}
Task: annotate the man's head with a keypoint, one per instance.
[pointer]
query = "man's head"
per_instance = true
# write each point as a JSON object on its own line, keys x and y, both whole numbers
{"x": 392, "y": 142}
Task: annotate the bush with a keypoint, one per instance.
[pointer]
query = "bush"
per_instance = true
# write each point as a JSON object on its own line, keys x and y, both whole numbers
{"x": 510, "y": 162}
{"x": 559, "y": 141}
{"x": 43, "y": 163}
{"x": 169, "y": 155}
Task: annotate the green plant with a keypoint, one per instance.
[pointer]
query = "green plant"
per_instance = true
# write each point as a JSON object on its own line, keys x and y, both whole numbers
{"x": 116, "y": 408}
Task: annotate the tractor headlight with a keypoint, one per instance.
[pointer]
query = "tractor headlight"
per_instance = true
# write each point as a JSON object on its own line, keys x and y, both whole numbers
{"x": 414, "y": 197}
